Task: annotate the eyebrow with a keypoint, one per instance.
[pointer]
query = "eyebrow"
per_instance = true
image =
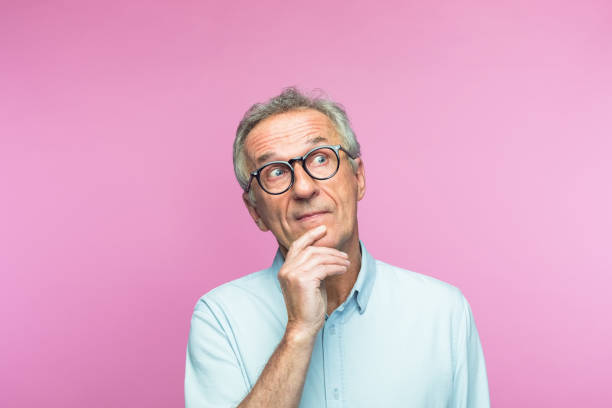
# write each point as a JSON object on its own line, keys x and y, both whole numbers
{"x": 266, "y": 156}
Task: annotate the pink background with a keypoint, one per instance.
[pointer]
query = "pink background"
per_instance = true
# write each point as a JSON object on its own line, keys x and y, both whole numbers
{"x": 486, "y": 134}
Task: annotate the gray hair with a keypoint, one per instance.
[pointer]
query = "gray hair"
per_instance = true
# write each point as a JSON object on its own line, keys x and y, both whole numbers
{"x": 291, "y": 99}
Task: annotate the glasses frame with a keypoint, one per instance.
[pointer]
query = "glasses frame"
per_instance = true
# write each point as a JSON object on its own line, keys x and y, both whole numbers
{"x": 335, "y": 148}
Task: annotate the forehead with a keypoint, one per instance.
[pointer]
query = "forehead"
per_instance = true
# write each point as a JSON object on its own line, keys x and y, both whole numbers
{"x": 288, "y": 134}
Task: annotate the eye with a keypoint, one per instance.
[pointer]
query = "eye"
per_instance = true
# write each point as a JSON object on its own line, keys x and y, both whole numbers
{"x": 276, "y": 172}
{"x": 320, "y": 159}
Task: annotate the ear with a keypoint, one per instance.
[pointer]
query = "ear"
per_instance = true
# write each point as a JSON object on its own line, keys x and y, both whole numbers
{"x": 253, "y": 212}
{"x": 360, "y": 176}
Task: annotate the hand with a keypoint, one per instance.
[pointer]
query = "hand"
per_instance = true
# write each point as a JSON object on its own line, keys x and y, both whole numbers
{"x": 302, "y": 279}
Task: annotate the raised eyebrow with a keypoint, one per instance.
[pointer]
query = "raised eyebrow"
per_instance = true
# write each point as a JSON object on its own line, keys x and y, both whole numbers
{"x": 316, "y": 140}
{"x": 264, "y": 157}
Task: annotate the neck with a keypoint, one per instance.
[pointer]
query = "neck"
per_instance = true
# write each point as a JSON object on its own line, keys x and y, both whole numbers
{"x": 338, "y": 287}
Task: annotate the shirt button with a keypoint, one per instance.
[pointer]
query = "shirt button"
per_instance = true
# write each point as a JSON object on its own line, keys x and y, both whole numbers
{"x": 336, "y": 393}
{"x": 332, "y": 329}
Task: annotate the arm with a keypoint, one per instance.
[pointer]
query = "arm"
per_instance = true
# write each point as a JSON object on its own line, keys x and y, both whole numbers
{"x": 214, "y": 377}
{"x": 302, "y": 279}
{"x": 470, "y": 385}
{"x": 282, "y": 380}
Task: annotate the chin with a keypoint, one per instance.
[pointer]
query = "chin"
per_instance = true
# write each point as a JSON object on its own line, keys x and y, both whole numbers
{"x": 327, "y": 241}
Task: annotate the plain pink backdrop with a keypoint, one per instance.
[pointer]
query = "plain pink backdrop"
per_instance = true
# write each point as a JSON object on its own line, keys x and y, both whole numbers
{"x": 486, "y": 134}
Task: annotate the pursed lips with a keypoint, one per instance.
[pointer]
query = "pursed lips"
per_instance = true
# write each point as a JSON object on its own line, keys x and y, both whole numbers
{"x": 308, "y": 215}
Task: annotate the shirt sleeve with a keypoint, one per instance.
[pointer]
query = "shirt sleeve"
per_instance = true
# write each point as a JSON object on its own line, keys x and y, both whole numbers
{"x": 213, "y": 375}
{"x": 470, "y": 384}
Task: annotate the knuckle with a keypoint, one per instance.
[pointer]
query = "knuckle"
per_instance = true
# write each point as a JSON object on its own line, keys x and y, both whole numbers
{"x": 289, "y": 276}
{"x": 297, "y": 283}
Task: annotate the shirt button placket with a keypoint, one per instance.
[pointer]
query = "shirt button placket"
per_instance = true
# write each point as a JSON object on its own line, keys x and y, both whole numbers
{"x": 333, "y": 364}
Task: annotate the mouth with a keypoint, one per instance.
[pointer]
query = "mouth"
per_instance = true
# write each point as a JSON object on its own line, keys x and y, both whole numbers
{"x": 310, "y": 216}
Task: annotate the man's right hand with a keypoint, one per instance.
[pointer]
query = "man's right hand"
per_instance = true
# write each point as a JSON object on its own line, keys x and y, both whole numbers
{"x": 302, "y": 279}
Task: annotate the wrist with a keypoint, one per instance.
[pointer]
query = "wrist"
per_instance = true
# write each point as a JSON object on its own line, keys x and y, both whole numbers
{"x": 299, "y": 335}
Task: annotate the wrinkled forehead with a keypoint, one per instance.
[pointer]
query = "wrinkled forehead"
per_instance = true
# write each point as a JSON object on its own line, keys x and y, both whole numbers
{"x": 288, "y": 135}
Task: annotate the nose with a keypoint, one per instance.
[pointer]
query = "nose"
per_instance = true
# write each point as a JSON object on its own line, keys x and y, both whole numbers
{"x": 304, "y": 186}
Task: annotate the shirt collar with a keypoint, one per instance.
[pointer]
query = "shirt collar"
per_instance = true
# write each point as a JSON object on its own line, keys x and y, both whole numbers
{"x": 363, "y": 285}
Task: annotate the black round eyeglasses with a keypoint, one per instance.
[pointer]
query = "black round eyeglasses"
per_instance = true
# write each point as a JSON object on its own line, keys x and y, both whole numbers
{"x": 320, "y": 163}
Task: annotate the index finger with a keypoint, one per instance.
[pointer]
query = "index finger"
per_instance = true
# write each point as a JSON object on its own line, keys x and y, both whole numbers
{"x": 308, "y": 238}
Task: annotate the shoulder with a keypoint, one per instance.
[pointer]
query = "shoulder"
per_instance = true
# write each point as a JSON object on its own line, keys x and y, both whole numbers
{"x": 415, "y": 280}
{"x": 422, "y": 289}
{"x": 255, "y": 284}
{"x": 243, "y": 301}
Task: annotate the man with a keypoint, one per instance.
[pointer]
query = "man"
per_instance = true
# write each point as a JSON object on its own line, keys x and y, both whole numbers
{"x": 326, "y": 325}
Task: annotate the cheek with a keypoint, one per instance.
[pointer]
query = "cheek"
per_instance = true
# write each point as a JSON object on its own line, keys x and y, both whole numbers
{"x": 272, "y": 212}
{"x": 348, "y": 188}
{"x": 346, "y": 201}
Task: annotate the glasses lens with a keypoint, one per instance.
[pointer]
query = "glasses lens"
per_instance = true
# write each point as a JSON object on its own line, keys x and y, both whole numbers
{"x": 275, "y": 177}
{"x": 322, "y": 163}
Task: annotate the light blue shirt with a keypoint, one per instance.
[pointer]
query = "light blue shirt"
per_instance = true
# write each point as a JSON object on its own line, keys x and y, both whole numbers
{"x": 401, "y": 339}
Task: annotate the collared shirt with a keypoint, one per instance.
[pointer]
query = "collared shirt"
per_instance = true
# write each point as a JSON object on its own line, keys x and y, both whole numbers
{"x": 400, "y": 339}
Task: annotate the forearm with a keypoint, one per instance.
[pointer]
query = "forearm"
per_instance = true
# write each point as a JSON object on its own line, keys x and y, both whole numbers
{"x": 282, "y": 381}
{"x": 302, "y": 280}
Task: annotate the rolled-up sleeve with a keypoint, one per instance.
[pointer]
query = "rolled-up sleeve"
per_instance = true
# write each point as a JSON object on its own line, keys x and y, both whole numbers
{"x": 213, "y": 376}
{"x": 470, "y": 384}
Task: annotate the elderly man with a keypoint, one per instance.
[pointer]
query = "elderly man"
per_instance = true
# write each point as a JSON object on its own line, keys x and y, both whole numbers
{"x": 326, "y": 325}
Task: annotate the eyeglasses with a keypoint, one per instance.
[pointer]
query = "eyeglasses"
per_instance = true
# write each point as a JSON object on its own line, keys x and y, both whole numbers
{"x": 320, "y": 163}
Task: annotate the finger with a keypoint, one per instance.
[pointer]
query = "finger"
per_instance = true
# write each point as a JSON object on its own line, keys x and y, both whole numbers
{"x": 312, "y": 252}
{"x": 308, "y": 238}
{"x": 324, "y": 271}
{"x": 313, "y": 262}
{"x": 327, "y": 251}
